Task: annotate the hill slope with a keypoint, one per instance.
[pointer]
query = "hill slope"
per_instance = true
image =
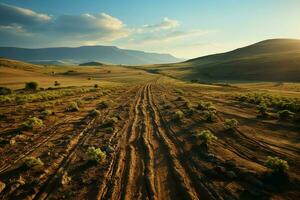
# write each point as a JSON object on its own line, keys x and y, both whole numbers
{"x": 76, "y": 55}
{"x": 269, "y": 60}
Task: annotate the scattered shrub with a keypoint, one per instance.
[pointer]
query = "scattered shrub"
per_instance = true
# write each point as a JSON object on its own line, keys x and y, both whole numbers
{"x": 21, "y": 100}
{"x": 95, "y": 154}
{"x": 262, "y": 109}
{"x": 5, "y": 91}
{"x": 231, "y": 123}
{"x": 46, "y": 112}
{"x": 56, "y": 83}
{"x": 178, "y": 115}
{"x": 205, "y": 137}
{"x": 95, "y": 112}
{"x": 32, "y": 122}
{"x": 103, "y": 104}
{"x": 33, "y": 162}
{"x": 31, "y": 85}
{"x": 285, "y": 114}
{"x": 96, "y": 86}
{"x": 277, "y": 165}
{"x": 209, "y": 115}
{"x": 73, "y": 107}
{"x": 89, "y": 78}
{"x": 179, "y": 91}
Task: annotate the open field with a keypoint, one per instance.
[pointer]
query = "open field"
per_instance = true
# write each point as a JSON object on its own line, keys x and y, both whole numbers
{"x": 148, "y": 130}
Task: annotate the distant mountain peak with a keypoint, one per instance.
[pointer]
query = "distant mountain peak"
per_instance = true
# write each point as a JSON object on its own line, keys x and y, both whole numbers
{"x": 83, "y": 54}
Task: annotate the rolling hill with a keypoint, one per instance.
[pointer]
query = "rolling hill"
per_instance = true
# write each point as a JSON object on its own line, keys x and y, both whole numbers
{"x": 76, "y": 55}
{"x": 269, "y": 60}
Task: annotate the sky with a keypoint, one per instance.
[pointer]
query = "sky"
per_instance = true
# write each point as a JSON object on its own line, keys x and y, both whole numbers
{"x": 183, "y": 28}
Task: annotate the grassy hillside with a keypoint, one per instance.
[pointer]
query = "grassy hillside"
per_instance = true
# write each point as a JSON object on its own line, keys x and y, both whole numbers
{"x": 269, "y": 60}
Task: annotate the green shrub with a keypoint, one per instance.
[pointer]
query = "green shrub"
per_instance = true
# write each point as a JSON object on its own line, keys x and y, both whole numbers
{"x": 285, "y": 114}
{"x": 73, "y": 107}
{"x": 231, "y": 123}
{"x": 33, "y": 162}
{"x": 21, "y": 100}
{"x": 178, "y": 115}
{"x": 179, "y": 91}
{"x": 95, "y": 112}
{"x": 5, "y": 91}
{"x": 32, "y": 122}
{"x": 276, "y": 164}
{"x": 205, "y": 136}
{"x": 209, "y": 115}
{"x": 262, "y": 109}
{"x": 46, "y": 112}
{"x": 103, "y": 104}
{"x": 95, "y": 154}
{"x": 96, "y": 86}
{"x": 31, "y": 85}
{"x": 56, "y": 83}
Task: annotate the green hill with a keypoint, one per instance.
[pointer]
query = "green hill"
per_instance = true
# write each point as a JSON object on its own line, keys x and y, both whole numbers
{"x": 269, "y": 60}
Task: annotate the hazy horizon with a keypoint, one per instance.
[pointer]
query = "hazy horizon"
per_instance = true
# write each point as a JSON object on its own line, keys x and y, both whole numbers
{"x": 183, "y": 29}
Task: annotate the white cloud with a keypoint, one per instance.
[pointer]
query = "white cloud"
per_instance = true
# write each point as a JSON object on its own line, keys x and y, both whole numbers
{"x": 164, "y": 25}
{"x": 17, "y": 15}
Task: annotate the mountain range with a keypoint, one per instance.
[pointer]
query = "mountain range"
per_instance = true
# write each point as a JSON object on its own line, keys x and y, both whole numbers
{"x": 76, "y": 55}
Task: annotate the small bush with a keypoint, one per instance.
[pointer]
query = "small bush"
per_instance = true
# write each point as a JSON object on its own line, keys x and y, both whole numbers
{"x": 96, "y": 86}
{"x": 276, "y": 164}
{"x": 262, "y": 109}
{"x": 205, "y": 136}
{"x": 179, "y": 91}
{"x": 103, "y": 104}
{"x": 209, "y": 116}
{"x": 95, "y": 112}
{"x": 5, "y": 91}
{"x": 33, "y": 162}
{"x": 95, "y": 154}
{"x": 31, "y": 85}
{"x": 32, "y": 122}
{"x": 285, "y": 114}
{"x": 178, "y": 115}
{"x": 231, "y": 123}
{"x": 73, "y": 107}
{"x": 56, "y": 83}
{"x": 46, "y": 112}
{"x": 21, "y": 100}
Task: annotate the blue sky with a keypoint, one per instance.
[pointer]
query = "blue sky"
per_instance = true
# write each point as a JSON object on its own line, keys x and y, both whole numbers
{"x": 184, "y": 28}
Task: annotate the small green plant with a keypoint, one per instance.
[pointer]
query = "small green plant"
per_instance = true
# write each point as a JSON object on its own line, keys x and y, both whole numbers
{"x": 178, "y": 115}
{"x": 285, "y": 114}
{"x": 179, "y": 91}
{"x": 47, "y": 112}
{"x": 231, "y": 123}
{"x": 95, "y": 112}
{"x": 277, "y": 165}
{"x": 72, "y": 107}
{"x": 209, "y": 115}
{"x": 96, "y": 86}
{"x": 5, "y": 91}
{"x": 33, "y": 162}
{"x": 31, "y": 85}
{"x": 262, "y": 109}
{"x": 56, "y": 83}
{"x": 32, "y": 122}
{"x": 95, "y": 155}
{"x": 103, "y": 105}
{"x": 205, "y": 137}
